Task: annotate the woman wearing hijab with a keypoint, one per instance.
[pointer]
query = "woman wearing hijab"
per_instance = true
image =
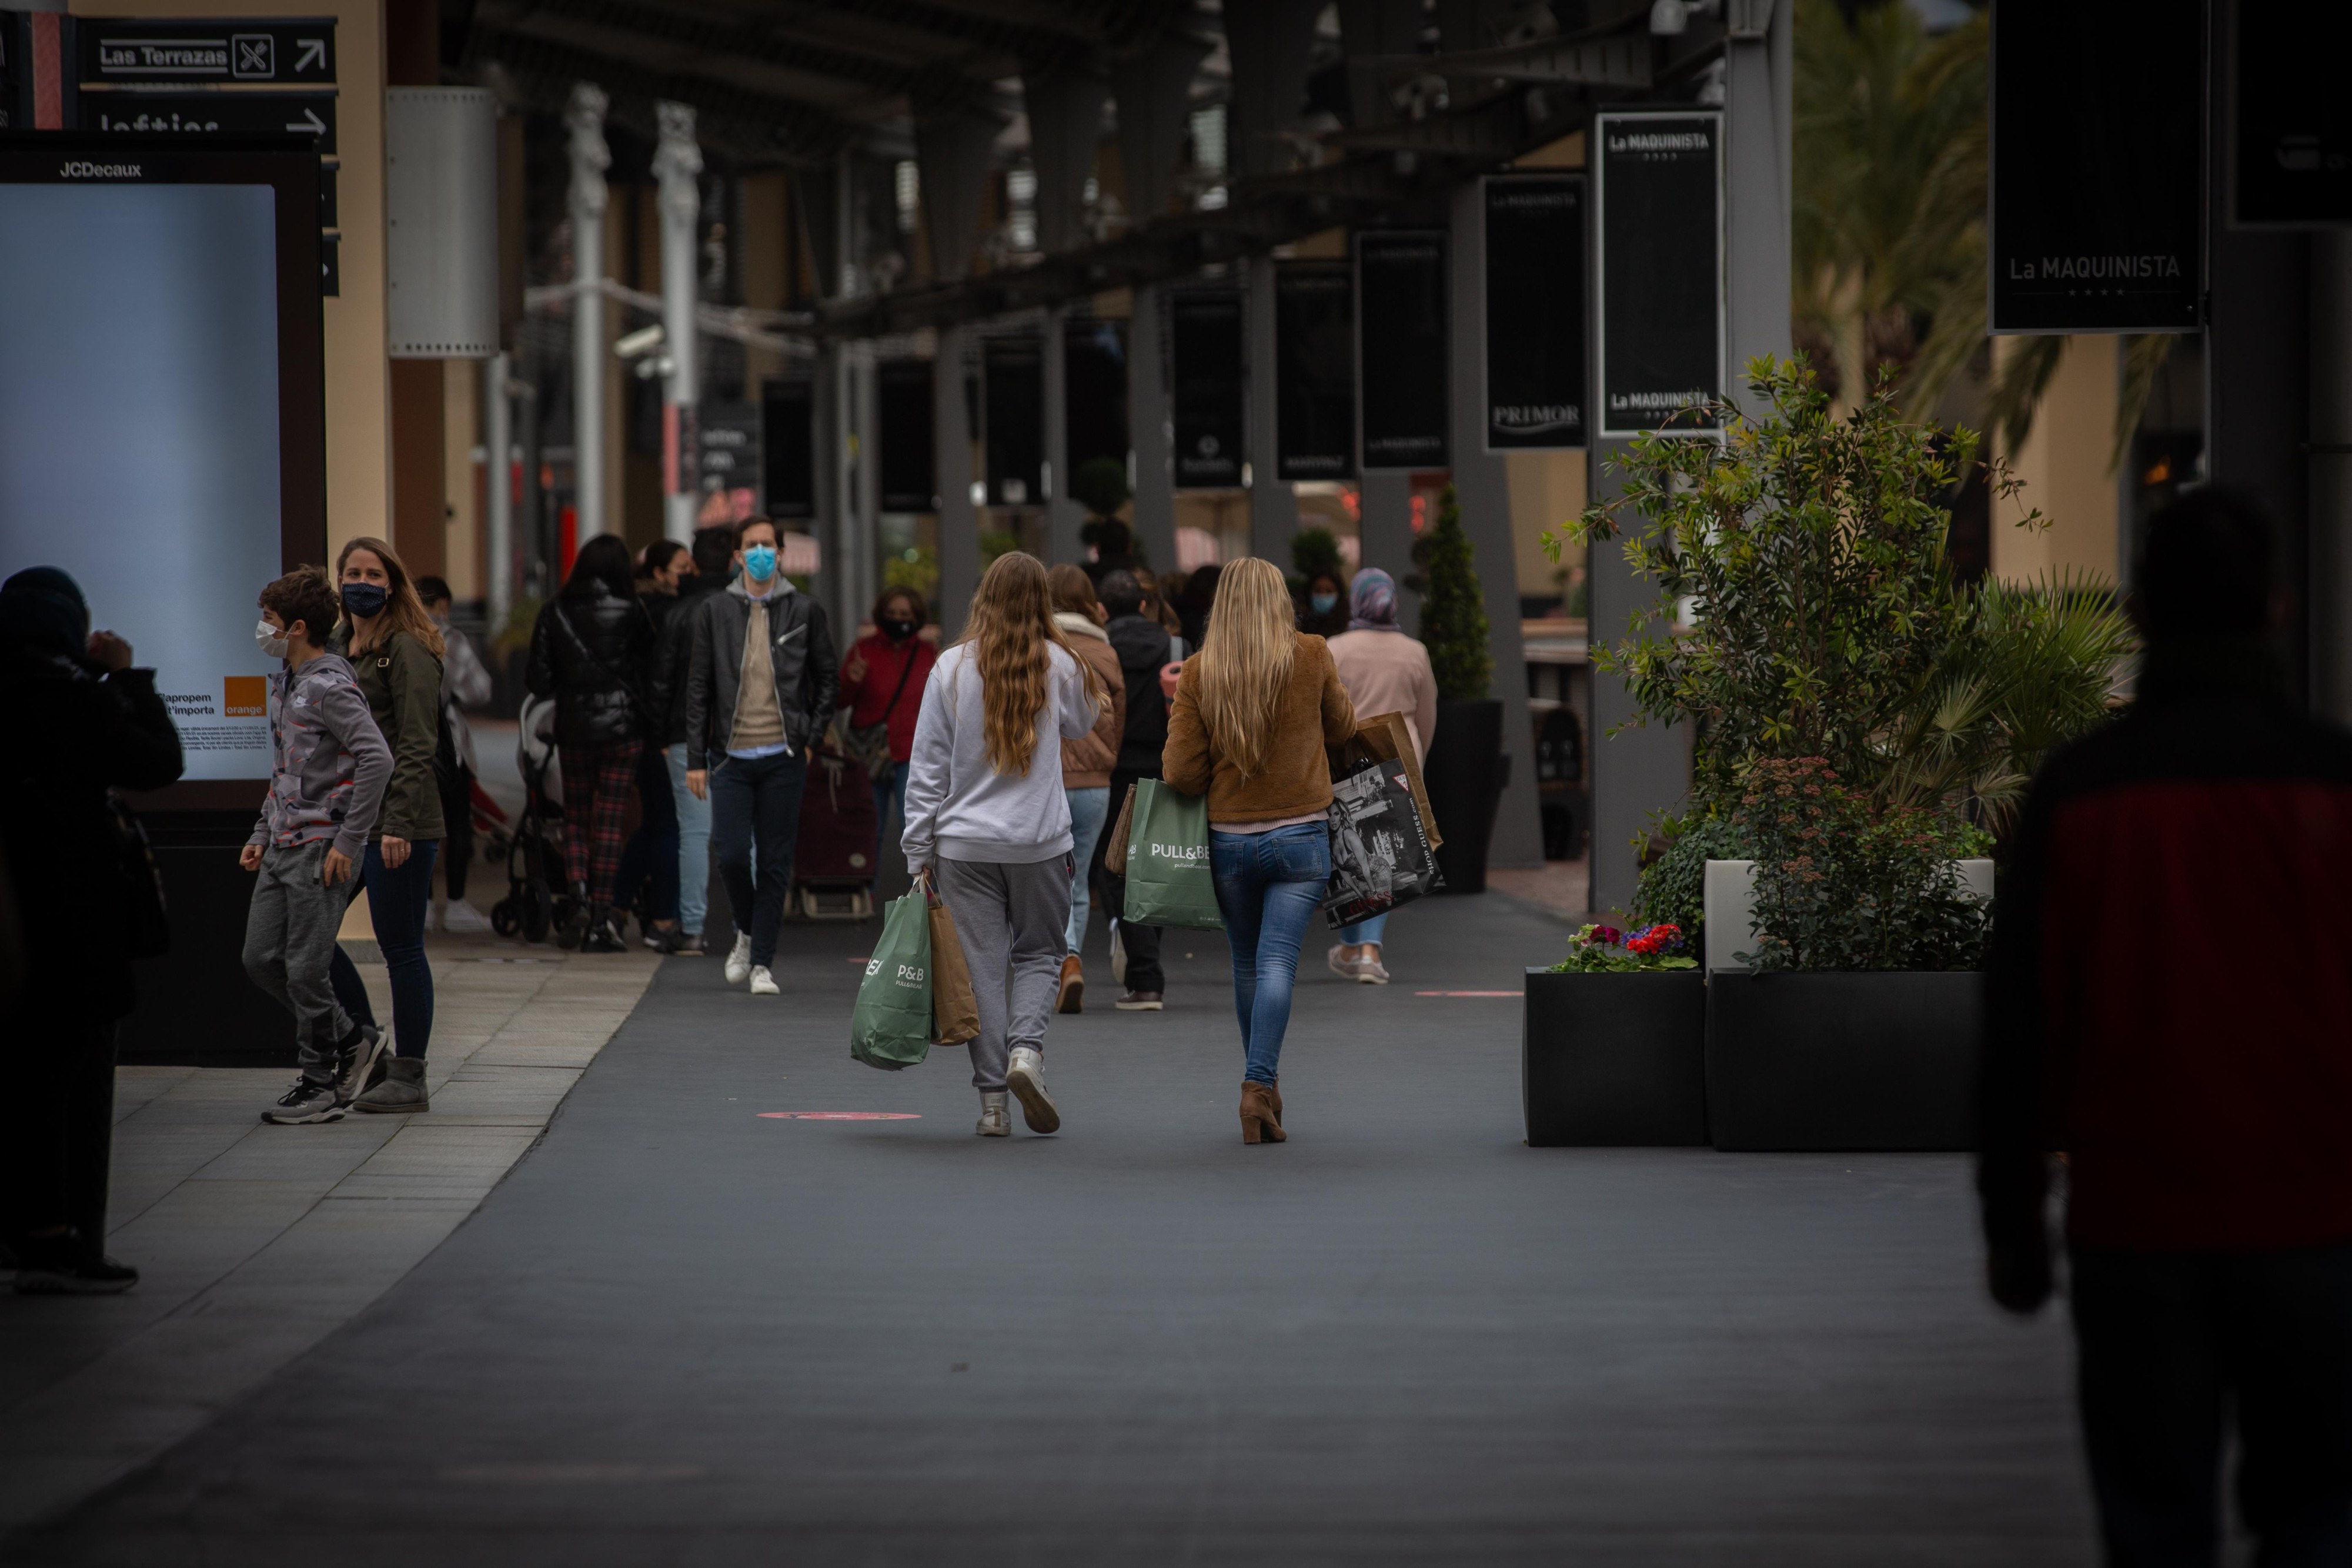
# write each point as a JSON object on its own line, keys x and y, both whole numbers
{"x": 1384, "y": 672}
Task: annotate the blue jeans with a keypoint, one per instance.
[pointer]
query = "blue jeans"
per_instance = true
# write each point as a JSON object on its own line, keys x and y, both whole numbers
{"x": 1089, "y": 809}
{"x": 757, "y": 798}
{"x": 397, "y": 902}
{"x": 1364, "y": 931}
{"x": 1268, "y": 885}
{"x": 693, "y": 845}
{"x": 889, "y": 820}
{"x": 652, "y": 850}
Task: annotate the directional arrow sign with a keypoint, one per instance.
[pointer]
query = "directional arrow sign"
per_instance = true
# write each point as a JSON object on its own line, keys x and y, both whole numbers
{"x": 216, "y": 114}
{"x": 134, "y": 52}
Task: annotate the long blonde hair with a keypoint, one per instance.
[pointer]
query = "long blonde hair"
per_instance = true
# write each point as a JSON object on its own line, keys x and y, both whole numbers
{"x": 1012, "y": 635}
{"x": 403, "y": 610}
{"x": 1245, "y": 658}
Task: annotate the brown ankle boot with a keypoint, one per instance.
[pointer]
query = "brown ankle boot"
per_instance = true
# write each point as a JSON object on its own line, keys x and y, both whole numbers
{"x": 1070, "y": 996}
{"x": 1274, "y": 1094}
{"x": 1260, "y": 1124}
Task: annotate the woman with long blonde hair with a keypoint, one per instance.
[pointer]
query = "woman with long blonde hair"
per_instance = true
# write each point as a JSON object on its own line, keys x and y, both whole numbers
{"x": 988, "y": 824}
{"x": 1255, "y": 709}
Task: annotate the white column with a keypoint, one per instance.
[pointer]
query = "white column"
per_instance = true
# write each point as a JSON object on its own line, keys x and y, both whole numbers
{"x": 1147, "y": 423}
{"x": 497, "y": 445}
{"x": 678, "y": 162}
{"x": 590, "y": 159}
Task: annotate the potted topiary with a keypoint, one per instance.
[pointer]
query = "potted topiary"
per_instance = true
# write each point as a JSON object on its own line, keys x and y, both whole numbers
{"x": 1611, "y": 1042}
{"x": 1840, "y": 684}
{"x": 1464, "y": 772}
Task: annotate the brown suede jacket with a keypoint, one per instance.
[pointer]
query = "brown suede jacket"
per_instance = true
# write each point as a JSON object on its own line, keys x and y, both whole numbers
{"x": 1295, "y": 777}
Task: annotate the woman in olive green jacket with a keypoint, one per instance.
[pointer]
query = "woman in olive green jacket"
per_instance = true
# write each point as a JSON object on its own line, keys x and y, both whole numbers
{"x": 395, "y": 651}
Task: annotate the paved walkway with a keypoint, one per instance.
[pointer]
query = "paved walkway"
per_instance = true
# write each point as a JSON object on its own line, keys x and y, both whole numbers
{"x": 687, "y": 1330}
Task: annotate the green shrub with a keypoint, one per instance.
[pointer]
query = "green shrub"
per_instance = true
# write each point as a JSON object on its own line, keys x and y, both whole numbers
{"x": 1453, "y": 608}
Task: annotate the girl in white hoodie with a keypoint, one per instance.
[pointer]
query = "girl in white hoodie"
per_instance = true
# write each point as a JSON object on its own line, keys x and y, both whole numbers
{"x": 988, "y": 823}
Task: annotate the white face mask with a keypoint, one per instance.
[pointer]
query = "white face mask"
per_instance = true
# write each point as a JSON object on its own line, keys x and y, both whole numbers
{"x": 266, "y": 638}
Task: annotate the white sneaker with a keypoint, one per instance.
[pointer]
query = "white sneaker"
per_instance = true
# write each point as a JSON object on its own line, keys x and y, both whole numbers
{"x": 1118, "y": 956}
{"x": 1027, "y": 1079}
{"x": 764, "y": 983}
{"x": 993, "y": 1123}
{"x": 1371, "y": 972}
{"x": 462, "y": 919}
{"x": 1343, "y": 968}
{"x": 739, "y": 962}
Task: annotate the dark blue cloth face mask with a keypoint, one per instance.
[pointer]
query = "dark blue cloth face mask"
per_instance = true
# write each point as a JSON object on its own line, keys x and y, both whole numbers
{"x": 365, "y": 599}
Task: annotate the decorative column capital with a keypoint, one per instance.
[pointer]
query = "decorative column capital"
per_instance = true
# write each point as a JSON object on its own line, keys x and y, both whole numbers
{"x": 589, "y": 157}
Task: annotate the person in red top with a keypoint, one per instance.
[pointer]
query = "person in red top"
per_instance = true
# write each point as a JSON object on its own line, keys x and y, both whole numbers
{"x": 2169, "y": 1004}
{"x": 882, "y": 684}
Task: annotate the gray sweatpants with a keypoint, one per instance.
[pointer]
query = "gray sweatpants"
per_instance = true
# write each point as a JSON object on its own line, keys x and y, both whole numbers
{"x": 289, "y": 939}
{"x": 1011, "y": 918}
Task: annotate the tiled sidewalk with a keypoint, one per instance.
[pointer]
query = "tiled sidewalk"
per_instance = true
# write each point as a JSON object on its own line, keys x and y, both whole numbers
{"x": 255, "y": 1241}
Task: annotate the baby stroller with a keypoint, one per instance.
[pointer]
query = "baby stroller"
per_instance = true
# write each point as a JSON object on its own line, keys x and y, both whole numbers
{"x": 539, "y": 897}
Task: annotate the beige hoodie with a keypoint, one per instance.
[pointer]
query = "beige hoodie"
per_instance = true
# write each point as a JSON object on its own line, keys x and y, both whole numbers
{"x": 1086, "y": 762}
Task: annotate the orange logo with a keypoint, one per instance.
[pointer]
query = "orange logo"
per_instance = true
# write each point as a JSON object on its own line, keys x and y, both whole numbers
{"x": 245, "y": 696}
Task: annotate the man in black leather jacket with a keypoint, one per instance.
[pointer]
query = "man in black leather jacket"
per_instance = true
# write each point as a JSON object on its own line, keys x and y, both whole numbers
{"x": 80, "y": 719}
{"x": 750, "y": 757}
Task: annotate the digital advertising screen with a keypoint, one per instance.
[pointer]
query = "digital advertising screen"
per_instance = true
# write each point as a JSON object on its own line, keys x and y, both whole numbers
{"x": 161, "y": 427}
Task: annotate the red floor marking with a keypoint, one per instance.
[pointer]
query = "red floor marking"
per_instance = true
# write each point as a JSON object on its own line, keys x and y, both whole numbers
{"x": 1469, "y": 993}
{"x": 842, "y": 1115}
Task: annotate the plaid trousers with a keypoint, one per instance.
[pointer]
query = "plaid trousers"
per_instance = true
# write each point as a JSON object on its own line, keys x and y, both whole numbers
{"x": 597, "y": 784}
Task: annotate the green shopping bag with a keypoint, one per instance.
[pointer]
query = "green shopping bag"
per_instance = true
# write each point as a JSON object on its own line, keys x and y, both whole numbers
{"x": 1168, "y": 878}
{"x": 890, "y": 1027}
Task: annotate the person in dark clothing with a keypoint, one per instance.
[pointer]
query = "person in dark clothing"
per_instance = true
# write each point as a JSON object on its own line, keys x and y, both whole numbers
{"x": 882, "y": 686}
{"x": 1323, "y": 610}
{"x": 714, "y": 562}
{"x": 761, "y": 684}
{"x": 2168, "y": 1003}
{"x": 591, "y": 651}
{"x": 465, "y": 683}
{"x": 1143, "y": 647}
{"x": 82, "y": 720}
{"x": 649, "y": 862}
{"x": 1193, "y": 604}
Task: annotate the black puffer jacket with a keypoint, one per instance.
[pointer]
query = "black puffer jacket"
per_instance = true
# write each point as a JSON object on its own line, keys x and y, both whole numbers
{"x": 1143, "y": 648}
{"x": 593, "y": 656}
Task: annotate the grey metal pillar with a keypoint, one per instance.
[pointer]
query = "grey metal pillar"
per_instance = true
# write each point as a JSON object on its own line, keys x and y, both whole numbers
{"x": 2331, "y": 474}
{"x": 1384, "y": 533}
{"x": 498, "y": 449}
{"x": 1151, "y": 87}
{"x": 590, "y": 159}
{"x": 1268, "y": 42}
{"x": 1063, "y": 516}
{"x": 1635, "y": 771}
{"x": 1758, "y": 126}
{"x": 1273, "y": 505}
{"x": 951, "y": 438}
{"x": 829, "y": 446}
{"x": 1147, "y": 423}
{"x": 677, "y": 163}
{"x": 1484, "y": 490}
{"x": 859, "y": 577}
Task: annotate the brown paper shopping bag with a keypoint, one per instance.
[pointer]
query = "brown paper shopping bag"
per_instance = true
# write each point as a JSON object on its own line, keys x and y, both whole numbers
{"x": 1115, "y": 852}
{"x": 955, "y": 1015}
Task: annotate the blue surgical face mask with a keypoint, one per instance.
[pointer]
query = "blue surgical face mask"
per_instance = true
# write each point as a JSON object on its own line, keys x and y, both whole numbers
{"x": 760, "y": 562}
{"x": 1322, "y": 602}
{"x": 365, "y": 599}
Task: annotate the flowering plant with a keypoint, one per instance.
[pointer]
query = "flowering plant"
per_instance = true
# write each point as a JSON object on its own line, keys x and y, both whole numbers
{"x": 1846, "y": 882}
{"x": 1606, "y": 950}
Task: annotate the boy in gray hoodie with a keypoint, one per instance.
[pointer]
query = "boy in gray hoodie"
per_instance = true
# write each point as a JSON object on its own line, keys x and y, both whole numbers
{"x": 329, "y": 768}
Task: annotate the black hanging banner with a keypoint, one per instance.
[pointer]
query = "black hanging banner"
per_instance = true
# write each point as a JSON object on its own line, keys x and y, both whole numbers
{"x": 2097, "y": 167}
{"x": 2290, "y": 117}
{"x": 788, "y": 442}
{"x": 1315, "y": 370}
{"x": 1094, "y": 361}
{"x": 727, "y": 448}
{"x": 1013, "y": 370}
{"x": 1534, "y": 311}
{"x": 1401, "y": 348}
{"x": 1210, "y": 385}
{"x": 1658, "y": 209}
{"x": 903, "y": 414}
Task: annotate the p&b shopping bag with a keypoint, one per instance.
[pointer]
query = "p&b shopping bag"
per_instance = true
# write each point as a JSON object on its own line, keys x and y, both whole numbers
{"x": 890, "y": 1027}
{"x": 1168, "y": 882}
{"x": 955, "y": 1014}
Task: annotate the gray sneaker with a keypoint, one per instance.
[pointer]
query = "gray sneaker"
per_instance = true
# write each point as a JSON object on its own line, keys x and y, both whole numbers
{"x": 1027, "y": 1079}
{"x": 359, "y": 1061}
{"x": 403, "y": 1089}
{"x": 306, "y": 1103}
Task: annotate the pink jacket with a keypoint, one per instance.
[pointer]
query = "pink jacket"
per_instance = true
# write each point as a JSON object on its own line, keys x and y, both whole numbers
{"x": 1388, "y": 672}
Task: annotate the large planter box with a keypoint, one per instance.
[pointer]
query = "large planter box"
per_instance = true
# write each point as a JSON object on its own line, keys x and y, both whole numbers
{"x": 1812, "y": 1061}
{"x": 1615, "y": 1059}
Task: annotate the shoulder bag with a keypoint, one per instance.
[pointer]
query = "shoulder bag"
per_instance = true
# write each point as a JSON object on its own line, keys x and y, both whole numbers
{"x": 868, "y": 745}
